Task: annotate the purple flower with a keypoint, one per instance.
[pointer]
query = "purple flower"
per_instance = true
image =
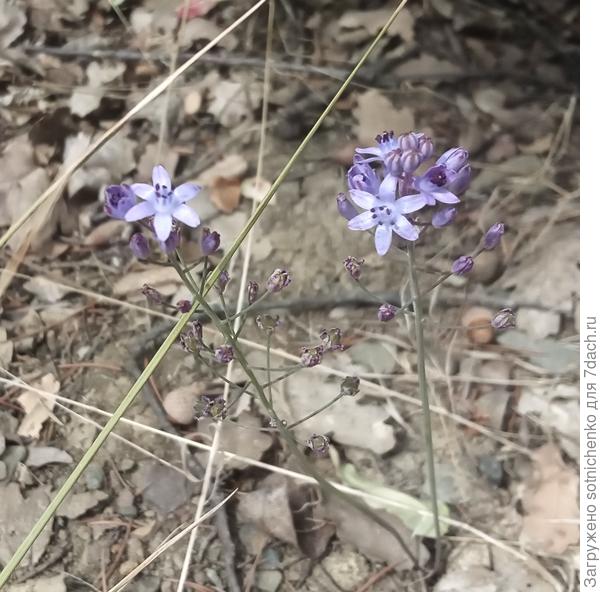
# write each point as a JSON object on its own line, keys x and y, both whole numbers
{"x": 386, "y": 312}
{"x": 311, "y": 356}
{"x": 224, "y": 354}
{"x": 345, "y": 207}
{"x": 222, "y": 281}
{"x": 171, "y": 243}
{"x": 433, "y": 186}
{"x": 118, "y": 200}
{"x": 456, "y": 161}
{"x": 139, "y": 246}
{"x": 252, "y": 291}
{"x": 353, "y": 267}
{"x": 152, "y": 294}
{"x": 386, "y": 213}
{"x": 504, "y": 319}
{"x": 463, "y": 265}
{"x": 164, "y": 203}
{"x": 492, "y": 237}
{"x": 363, "y": 177}
{"x": 210, "y": 241}
{"x": 443, "y": 217}
{"x": 386, "y": 142}
{"x": 278, "y": 280}
{"x": 184, "y": 306}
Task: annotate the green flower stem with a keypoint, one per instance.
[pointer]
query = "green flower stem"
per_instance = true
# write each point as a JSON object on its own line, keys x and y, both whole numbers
{"x": 316, "y": 412}
{"x": 62, "y": 493}
{"x": 421, "y": 353}
{"x": 270, "y": 386}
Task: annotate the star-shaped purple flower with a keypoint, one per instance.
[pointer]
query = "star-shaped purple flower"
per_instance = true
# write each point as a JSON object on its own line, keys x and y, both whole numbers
{"x": 385, "y": 212}
{"x": 164, "y": 203}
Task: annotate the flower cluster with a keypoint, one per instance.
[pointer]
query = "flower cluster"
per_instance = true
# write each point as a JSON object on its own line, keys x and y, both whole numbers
{"x": 391, "y": 191}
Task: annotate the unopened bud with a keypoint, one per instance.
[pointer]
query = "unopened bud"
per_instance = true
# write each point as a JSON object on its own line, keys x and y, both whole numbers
{"x": 278, "y": 280}
{"x": 386, "y": 312}
{"x": 463, "y": 265}
{"x": 350, "y": 386}
{"x": 504, "y": 319}
{"x": 139, "y": 246}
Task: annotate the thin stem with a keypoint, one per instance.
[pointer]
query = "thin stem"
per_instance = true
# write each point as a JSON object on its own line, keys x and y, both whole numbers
{"x": 316, "y": 412}
{"x": 270, "y": 386}
{"x": 414, "y": 286}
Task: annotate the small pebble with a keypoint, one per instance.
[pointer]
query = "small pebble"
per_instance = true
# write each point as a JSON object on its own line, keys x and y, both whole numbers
{"x": 94, "y": 476}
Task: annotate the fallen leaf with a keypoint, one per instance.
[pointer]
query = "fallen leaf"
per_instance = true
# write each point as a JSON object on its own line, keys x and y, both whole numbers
{"x": 550, "y": 505}
{"x": 45, "y": 289}
{"x": 232, "y": 102}
{"x": 86, "y": 99}
{"x": 105, "y": 233}
{"x": 77, "y": 504}
{"x": 12, "y": 22}
{"x": 39, "y": 456}
{"x": 161, "y": 486}
{"x": 225, "y": 194}
{"x": 375, "y": 113}
{"x": 373, "y": 20}
{"x": 43, "y": 584}
{"x": 164, "y": 279}
{"x": 377, "y": 356}
{"x": 37, "y": 409}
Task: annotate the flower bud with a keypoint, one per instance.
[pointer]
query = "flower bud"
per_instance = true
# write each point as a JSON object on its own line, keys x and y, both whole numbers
{"x": 410, "y": 161}
{"x": 139, "y": 246}
{"x": 267, "y": 323}
{"x": 184, "y": 306}
{"x": 459, "y": 182}
{"x": 346, "y": 207}
{"x": 492, "y": 237}
{"x": 252, "y": 291}
{"x": 350, "y": 386}
{"x": 222, "y": 281}
{"x": 224, "y": 354}
{"x": 353, "y": 267}
{"x": 393, "y": 162}
{"x": 409, "y": 141}
{"x": 278, "y": 280}
{"x": 191, "y": 337}
{"x": 425, "y": 147}
{"x": 386, "y": 312}
{"x": 362, "y": 176}
{"x": 118, "y": 200}
{"x": 331, "y": 339}
{"x": 210, "y": 241}
{"x": 171, "y": 243}
{"x": 152, "y": 294}
{"x": 311, "y": 356}
{"x": 463, "y": 265}
{"x": 443, "y": 217}
{"x": 454, "y": 159}
{"x": 504, "y": 319}
{"x": 318, "y": 444}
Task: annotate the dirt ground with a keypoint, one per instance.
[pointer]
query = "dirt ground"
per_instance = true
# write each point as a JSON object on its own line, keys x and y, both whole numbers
{"x": 499, "y": 78}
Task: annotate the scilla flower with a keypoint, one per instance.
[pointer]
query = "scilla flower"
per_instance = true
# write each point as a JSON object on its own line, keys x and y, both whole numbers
{"x": 164, "y": 203}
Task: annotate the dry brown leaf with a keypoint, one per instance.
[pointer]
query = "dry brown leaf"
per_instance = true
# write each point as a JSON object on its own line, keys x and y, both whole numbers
{"x": 373, "y": 20}
{"x": 164, "y": 279}
{"x": 375, "y": 113}
{"x": 226, "y": 194}
{"x": 104, "y": 233}
{"x": 550, "y": 504}
{"x": 37, "y": 410}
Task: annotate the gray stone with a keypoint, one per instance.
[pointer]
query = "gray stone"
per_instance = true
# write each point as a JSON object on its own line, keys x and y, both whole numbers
{"x": 94, "y": 476}
{"x": 268, "y": 580}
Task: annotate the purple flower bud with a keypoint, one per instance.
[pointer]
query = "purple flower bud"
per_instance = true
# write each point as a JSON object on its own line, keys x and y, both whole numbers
{"x": 386, "y": 312}
{"x": 393, "y": 162}
{"x": 410, "y": 161}
{"x": 409, "y": 141}
{"x": 222, "y": 281}
{"x": 504, "y": 319}
{"x": 346, "y": 207}
{"x": 224, "y": 354}
{"x": 463, "y": 265}
{"x": 267, "y": 322}
{"x": 139, "y": 246}
{"x": 210, "y": 406}
{"x": 443, "y": 217}
{"x": 152, "y": 294}
{"x": 350, "y": 386}
{"x": 353, "y": 267}
{"x": 425, "y": 147}
{"x": 252, "y": 291}
{"x": 278, "y": 280}
{"x": 460, "y": 181}
{"x": 363, "y": 177}
{"x": 311, "y": 356}
{"x": 171, "y": 243}
{"x": 118, "y": 200}
{"x": 210, "y": 241}
{"x": 318, "y": 445}
{"x": 492, "y": 237}
{"x": 184, "y": 306}
{"x": 454, "y": 159}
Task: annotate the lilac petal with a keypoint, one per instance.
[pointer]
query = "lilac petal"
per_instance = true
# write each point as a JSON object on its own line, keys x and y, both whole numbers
{"x": 363, "y": 199}
{"x": 143, "y": 190}
{"x": 446, "y": 196}
{"x": 363, "y": 221}
{"x": 186, "y": 192}
{"x": 405, "y": 229}
{"x": 383, "y": 238}
{"x": 411, "y": 203}
{"x": 186, "y": 215}
{"x": 139, "y": 211}
{"x": 376, "y": 150}
{"x": 387, "y": 189}
{"x": 161, "y": 177}
{"x": 162, "y": 226}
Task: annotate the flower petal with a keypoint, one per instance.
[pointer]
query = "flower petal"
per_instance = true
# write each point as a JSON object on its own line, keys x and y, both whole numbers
{"x": 410, "y": 203}
{"x": 387, "y": 189}
{"x": 363, "y": 199}
{"x": 144, "y": 209}
{"x": 186, "y": 215}
{"x": 376, "y": 150}
{"x": 446, "y": 196}
{"x": 383, "y": 238}
{"x": 186, "y": 192}
{"x": 405, "y": 229}
{"x": 143, "y": 190}
{"x": 161, "y": 177}
{"x": 363, "y": 221}
{"x": 162, "y": 226}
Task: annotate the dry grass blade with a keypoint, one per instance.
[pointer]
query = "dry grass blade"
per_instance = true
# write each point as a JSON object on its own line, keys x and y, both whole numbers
{"x": 169, "y": 544}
